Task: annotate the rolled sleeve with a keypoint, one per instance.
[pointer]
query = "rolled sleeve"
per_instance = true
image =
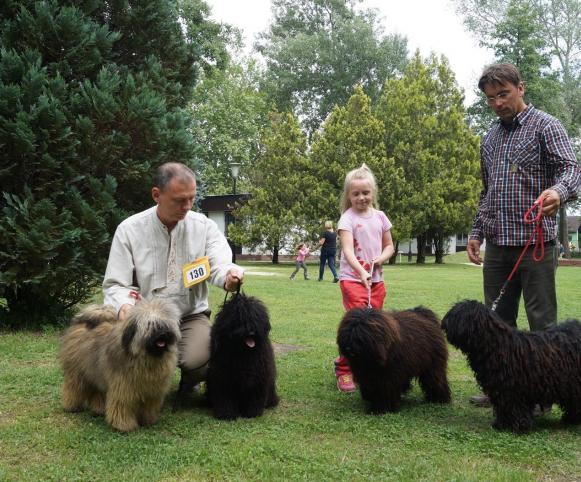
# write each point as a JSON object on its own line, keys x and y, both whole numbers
{"x": 560, "y": 155}
{"x": 219, "y": 254}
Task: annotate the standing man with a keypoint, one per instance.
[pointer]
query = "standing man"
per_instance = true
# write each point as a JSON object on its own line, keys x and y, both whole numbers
{"x": 525, "y": 157}
{"x": 152, "y": 249}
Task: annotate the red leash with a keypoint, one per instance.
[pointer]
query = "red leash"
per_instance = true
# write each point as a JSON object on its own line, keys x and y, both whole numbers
{"x": 538, "y": 231}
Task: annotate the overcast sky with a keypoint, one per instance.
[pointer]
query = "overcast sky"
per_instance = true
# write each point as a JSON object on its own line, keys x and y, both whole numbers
{"x": 430, "y": 25}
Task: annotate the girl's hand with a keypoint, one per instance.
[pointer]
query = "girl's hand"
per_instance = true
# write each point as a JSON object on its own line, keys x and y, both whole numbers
{"x": 365, "y": 278}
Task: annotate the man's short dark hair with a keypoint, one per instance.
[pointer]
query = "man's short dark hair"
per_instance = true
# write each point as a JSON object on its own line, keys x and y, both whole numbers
{"x": 170, "y": 170}
{"x": 497, "y": 74}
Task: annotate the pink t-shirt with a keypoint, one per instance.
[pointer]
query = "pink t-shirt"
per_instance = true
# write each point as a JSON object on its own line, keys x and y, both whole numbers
{"x": 367, "y": 240}
{"x": 302, "y": 253}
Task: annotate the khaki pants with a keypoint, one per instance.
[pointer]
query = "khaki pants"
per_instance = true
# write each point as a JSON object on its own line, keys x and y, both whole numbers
{"x": 194, "y": 347}
{"x": 536, "y": 282}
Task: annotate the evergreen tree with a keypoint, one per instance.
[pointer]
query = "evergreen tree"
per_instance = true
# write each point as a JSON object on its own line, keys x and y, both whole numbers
{"x": 429, "y": 140}
{"x": 92, "y": 97}
{"x": 351, "y": 136}
{"x": 275, "y": 215}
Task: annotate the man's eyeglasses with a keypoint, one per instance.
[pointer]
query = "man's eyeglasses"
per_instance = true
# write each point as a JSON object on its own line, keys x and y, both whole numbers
{"x": 500, "y": 96}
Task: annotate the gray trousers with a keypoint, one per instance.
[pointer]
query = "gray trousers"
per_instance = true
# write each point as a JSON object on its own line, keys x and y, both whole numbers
{"x": 299, "y": 265}
{"x": 194, "y": 346}
{"x": 536, "y": 282}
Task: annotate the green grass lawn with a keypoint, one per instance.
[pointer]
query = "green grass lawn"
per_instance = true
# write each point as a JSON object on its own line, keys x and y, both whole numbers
{"x": 316, "y": 433}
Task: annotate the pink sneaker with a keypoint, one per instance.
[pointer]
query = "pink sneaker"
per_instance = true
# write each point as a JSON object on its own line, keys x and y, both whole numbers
{"x": 345, "y": 383}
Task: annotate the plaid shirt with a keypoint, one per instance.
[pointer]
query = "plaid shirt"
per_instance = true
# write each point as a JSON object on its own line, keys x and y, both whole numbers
{"x": 518, "y": 162}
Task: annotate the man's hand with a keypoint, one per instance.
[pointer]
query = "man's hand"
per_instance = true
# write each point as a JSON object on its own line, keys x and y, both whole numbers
{"x": 551, "y": 202}
{"x": 473, "y": 250}
{"x": 124, "y": 311}
{"x": 233, "y": 278}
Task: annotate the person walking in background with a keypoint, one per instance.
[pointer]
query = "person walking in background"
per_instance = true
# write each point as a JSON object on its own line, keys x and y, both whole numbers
{"x": 302, "y": 252}
{"x": 365, "y": 235}
{"x": 526, "y": 158}
{"x": 328, "y": 243}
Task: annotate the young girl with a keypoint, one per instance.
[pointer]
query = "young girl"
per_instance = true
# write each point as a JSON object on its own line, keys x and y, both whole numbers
{"x": 366, "y": 244}
{"x": 302, "y": 252}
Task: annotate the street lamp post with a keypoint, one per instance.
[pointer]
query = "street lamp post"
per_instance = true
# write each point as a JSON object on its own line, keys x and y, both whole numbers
{"x": 235, "y": 171}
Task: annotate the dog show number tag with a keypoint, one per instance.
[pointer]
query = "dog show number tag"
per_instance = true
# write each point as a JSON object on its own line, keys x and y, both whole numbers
{"x": 196, "y": 272}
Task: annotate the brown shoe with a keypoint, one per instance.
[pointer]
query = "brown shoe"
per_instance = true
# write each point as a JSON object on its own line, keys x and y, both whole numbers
{"x": 481, "y": 400}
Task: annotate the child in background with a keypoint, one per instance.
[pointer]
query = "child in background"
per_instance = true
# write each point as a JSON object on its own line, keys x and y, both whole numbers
{"x": 366, "y": 242}
{"x": 302, "y": 252}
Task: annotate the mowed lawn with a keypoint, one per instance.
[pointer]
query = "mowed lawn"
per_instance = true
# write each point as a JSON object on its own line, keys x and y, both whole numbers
{"x": 316, "y": 433}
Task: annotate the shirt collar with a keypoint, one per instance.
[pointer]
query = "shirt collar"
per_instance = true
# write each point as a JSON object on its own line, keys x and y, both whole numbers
{"x": 158, "y": 224}
{"x": 519, "y": 119}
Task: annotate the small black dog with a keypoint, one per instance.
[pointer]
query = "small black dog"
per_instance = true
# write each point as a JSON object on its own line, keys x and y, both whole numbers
{"x": 519, "y": 369}
{"x": 386, "y": 350}
{"x": 242, "y": 371}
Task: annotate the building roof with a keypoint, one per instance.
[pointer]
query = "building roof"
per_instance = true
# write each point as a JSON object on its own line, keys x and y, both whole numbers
{"x": 225, "y": 202}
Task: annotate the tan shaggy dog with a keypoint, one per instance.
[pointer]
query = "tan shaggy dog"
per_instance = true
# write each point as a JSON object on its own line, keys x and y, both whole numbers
{"x": 122, "y": 369}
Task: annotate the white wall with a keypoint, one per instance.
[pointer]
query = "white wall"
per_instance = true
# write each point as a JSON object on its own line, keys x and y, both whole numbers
{"x": 219, "y": 218}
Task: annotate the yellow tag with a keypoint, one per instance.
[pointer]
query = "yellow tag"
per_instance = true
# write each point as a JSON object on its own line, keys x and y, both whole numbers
{"x": 196, "y": 272}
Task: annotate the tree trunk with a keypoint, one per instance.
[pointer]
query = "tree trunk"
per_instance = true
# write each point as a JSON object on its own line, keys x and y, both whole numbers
{"x": 275, "y": 250}
{"x": 439, "y": 246}
{"x": 563, "y": 231}
{"x": 394, "y": 257}
{"x": 421, "y": 257}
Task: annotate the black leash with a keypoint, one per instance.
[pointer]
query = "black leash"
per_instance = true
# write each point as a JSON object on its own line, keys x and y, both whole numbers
{"x": 235, "y": 295}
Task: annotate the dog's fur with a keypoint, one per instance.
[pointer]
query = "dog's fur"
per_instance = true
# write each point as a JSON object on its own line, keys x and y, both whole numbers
{"x": 122, "y": 369}
{"x": 386, "y": 350}
{"x": 519, "y": 369}
{"x": 242, "y": 371}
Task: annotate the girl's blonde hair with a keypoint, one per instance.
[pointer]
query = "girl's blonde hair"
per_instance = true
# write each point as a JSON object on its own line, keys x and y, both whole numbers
{"x": 328, "y": 224}
{"x": 361, "y": 173}
{"x": 299, "y": 246}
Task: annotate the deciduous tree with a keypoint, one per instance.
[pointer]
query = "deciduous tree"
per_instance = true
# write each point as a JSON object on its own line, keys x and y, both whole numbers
{"x": 275, "y": 215}
{"x": 229, "y": 113}
{"x": 317, "y": 51}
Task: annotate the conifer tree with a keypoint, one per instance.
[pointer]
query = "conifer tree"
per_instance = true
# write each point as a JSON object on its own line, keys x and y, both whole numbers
{"x": 426, "y": 134}
{"x": 92, "y": 98}
{"x": 351, "y": 136}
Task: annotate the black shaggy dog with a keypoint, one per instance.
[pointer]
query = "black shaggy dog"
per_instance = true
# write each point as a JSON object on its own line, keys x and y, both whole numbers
{"x": 242, "y": 371}
{"x": 519, "y": 369}
{"x": 387, "y": 349}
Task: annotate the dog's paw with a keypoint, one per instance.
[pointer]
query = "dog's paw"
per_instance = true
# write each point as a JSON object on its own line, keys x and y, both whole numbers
{"x": 273, "y": 401}
{"x": 73, "y": 408}
{"x": 224, "y": 415}
{"x": 148, "y": 419}
{"x": 125, "y": 426}
{"x": 123, "y": 422}
{"x": 518, "y": 427}
{"x": 252, "y": 412}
